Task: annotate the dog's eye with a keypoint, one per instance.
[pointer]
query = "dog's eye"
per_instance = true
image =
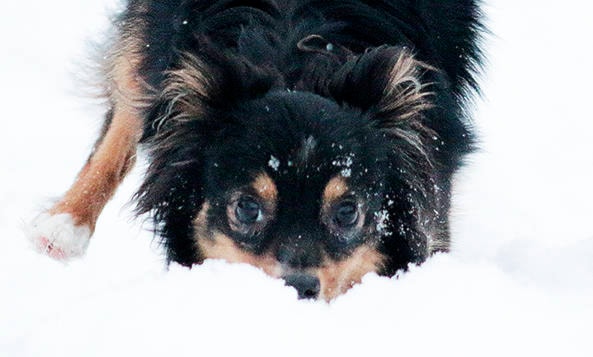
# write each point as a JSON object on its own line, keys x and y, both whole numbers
{"x": 346, "y": 214}
{"x": 248, "y": 210}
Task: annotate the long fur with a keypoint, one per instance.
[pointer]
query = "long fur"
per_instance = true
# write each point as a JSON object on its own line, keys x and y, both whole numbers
{"x": 408, "y": 66}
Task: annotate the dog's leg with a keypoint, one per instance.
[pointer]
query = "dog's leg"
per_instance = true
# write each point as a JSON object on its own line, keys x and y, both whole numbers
{"x": 64, "y": 230}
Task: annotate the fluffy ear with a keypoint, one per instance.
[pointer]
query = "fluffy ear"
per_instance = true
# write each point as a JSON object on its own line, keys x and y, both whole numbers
{"x": 184, "y": 119}
{"x": 213, "y": 81}
{"x": 386, "y": 81}
{"x": 394, "y": 89}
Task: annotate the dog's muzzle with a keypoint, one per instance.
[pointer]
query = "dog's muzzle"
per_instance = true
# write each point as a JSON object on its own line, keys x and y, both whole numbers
{"x": 307, "y": 286}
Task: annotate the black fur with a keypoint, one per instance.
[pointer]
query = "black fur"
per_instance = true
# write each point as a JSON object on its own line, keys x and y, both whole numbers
{"x": 280, "y": 71}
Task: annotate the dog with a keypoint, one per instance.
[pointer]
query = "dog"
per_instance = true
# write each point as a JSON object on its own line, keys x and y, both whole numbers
{"x": 313, "y": 139}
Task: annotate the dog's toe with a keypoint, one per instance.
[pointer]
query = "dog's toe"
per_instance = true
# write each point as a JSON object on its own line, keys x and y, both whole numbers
{"x": 58, "y": 236}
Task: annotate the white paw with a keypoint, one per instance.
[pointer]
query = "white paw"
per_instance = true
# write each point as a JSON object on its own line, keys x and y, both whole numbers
{"x": 58, "y": 237}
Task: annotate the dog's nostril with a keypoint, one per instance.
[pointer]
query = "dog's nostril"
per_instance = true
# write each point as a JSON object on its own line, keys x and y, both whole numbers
{"x": 307, "y": 286}
{"x": 310, "y": 294}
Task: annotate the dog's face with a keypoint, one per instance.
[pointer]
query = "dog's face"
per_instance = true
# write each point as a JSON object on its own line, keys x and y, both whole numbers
{"x": 317, "y": 190}
{"x": 294, "y": 187}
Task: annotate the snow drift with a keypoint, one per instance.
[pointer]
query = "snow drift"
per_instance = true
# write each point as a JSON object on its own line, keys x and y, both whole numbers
{"x": 518, "y": 282}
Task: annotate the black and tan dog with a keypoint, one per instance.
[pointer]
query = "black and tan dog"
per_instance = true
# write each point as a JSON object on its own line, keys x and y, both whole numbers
{"x": 314, "y": 139}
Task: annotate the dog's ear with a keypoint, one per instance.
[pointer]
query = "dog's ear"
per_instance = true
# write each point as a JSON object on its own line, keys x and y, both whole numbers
{"x": 186, "y": 115}
{"x": 394, "y": 90}
{"x": 214, "y": 81}
{"x": 387, "y": 82}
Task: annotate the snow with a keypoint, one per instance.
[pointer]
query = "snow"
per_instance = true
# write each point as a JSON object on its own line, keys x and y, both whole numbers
{"x": 345, "y": 163}
{"x": 382, "y": 218}
{"x": 518, "y": 282}
{"x": 274, "y": 163}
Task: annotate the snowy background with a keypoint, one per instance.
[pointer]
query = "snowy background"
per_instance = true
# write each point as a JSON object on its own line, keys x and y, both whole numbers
{"x": 518, "y": 282}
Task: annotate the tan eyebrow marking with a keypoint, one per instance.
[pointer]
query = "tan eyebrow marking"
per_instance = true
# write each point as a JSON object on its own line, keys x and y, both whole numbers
{"x": 265, "y": 187}
{"x": 335, "y": 188}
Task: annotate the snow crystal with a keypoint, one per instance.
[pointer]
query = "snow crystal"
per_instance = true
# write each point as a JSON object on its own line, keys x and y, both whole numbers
{"x": 382, "y": 217}
{"x": 345, "y": 163}
{"x": 402, "y": 229}
{"x": 274, "y": 163}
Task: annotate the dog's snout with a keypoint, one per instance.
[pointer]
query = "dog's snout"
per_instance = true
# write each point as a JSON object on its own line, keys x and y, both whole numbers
{"x": 299, "y": 254}
{"x": 307, "y": 286}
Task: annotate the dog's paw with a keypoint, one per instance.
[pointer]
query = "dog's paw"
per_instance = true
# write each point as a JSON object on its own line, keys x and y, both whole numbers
{"x": 58, "y": 236}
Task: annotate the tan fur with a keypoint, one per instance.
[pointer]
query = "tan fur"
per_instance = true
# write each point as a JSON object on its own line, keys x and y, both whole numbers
{"x": 216, "y": 245}
{"x": 405, "y": 98}
{"x": 266, "y": 188}
{"x": 185, "y": 89}
{"x": 405, "y": 94}
{"x": 103, "y": 172}
{"x": 219, "y": 246}
{"x": 127, "y": 89}
{"x": 115, "y": 153}
{"x": 125, "y": 86}
{"x": 336, "y": 277}
{"x": 335, "y": 188}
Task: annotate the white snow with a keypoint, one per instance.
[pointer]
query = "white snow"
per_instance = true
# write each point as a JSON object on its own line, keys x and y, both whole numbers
{"x": 519, "y": 281}
{"x": 382, "y": 218}
{"x": 274, "y": 163}
{"x": 345, "y": 163}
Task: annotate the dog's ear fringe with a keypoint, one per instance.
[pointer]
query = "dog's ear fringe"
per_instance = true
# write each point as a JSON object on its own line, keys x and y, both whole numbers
{"x": 392, "y": 87}
{"x": 213, "y": 80}
{"x": 386, "y": 81}
{"x": 186, "y": 91}
{"x": 193, "y": 92}
{"x": 405, "y": 95}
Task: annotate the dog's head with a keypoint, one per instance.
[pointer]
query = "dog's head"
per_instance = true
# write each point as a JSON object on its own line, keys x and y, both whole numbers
{"x": 317, "y": 189}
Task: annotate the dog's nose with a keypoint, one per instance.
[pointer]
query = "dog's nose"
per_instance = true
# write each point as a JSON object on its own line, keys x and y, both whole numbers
{"x": 306, "y": 285}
